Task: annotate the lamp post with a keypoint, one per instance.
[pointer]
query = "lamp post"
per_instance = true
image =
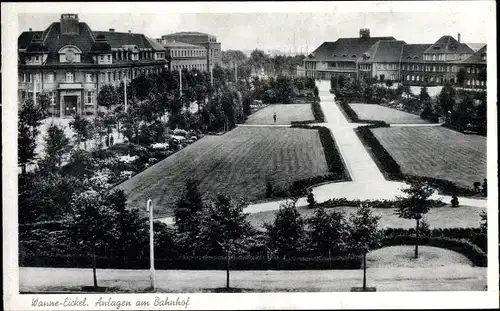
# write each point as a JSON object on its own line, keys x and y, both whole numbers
{"x": 149, "y": 208}
{"x": 180, "y": 82}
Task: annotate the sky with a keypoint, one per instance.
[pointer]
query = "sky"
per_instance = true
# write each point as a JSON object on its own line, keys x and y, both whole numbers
{"x": 288, "y": 31}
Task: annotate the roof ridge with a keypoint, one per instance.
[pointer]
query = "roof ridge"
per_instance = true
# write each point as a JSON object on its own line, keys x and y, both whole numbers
{"x": 48, "y": 31}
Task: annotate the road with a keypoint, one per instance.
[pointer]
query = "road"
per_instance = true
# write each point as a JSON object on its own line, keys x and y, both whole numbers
{"x": 451, "y": 277}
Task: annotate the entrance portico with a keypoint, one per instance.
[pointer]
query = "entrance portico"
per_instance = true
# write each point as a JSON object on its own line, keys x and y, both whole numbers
{"x": 70, "y": 99}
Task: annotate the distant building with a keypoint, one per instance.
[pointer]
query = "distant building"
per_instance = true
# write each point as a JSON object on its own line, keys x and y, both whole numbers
{"x": 386, "y": 58}
{"x": 182, "y": 55}
{"x": 71, "y": 63}
{"x": 214, "y": 53}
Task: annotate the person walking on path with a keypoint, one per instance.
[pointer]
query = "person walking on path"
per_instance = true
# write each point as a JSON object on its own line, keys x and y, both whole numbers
{"x": 274, "y": 117}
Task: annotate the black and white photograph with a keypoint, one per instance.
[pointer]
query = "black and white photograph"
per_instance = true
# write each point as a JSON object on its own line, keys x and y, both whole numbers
{"x": 249, "y": 155}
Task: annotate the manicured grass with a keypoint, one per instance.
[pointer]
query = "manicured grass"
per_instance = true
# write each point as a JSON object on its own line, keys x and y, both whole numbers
{"x": 442, "y": 217}
{"x": 436, "y": 152}
{"x": 389, "y": 115}
{"x": 237, "y": 163}
{"x": 285, "y": 114}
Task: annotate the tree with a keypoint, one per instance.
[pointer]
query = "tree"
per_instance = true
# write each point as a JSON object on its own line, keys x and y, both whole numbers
{"x": 461, "y": 76}
{"x": 424, "y": 96}
{"x": 310, "y": 199}
{"x": 363, "y": 234}
{"x": 107, "y": 96}
{"x": 315, "y": 92}
{"x": 94, "y": 220}
{"x": 30, "y": 118}
{"x": 83, "y": 129}
{"x": 56, "y": 146}
{"x": 446, "y": 100}
{"x": 186, "y": 212}
{"x": 415, "y": 204}
{"x": 482, "y": 76}
{"x": 389, "y": 83}
{"x": 327, "y": 231}
{"x": 285, "y": 234}
{"x": 223, "y": 228}
{"x": 231, "y": 57}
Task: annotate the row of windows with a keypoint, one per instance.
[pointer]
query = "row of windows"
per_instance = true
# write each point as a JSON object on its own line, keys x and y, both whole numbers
{"x": 365, "y": 67}
{"x": 387, "y": 66}
{"x": 472, "y": 82}
{"x": 472, "y": 70}
{"x": 418, "y": 78}
{"x": 89, "y": 97}
{"x": 188, "y": 53}
{"x": 429, "y": 68}
{"x": 189, "y": 67}
{"x": 89, "y": 76}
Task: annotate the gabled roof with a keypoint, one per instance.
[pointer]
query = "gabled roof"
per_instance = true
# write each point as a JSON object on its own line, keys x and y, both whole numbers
{"x": 25, "y": 38}
{"x": 476, "y": 46}
{"x": 477, "y": 57}
{"x": 449, "y": 45}
{"x": 413, "y": 53}
{"x": 345, "y": 48}
{"x": 383, "y": 51}
{"x": 119, "y": 39}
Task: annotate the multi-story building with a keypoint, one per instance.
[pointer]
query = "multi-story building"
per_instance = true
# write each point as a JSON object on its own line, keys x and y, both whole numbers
{"x": 182, "y": 55}
{"x": 381, "y": 61}
{"x": 213, "y": 54}
{"x": 386, "y": 58}
{"x": 340, "y": 57}
{"x": 71, "y": 63}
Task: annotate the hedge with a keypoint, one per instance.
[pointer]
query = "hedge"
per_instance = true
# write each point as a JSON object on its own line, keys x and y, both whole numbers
{"x": 392, "y": 170}
{"x": 299, "y": 187}
{"x": 195, "y": 263}
{"x": 462, "y": 246}
{"x": 317, "y": 112}
{"x": 353, "y": 117}
{"x": 336, "y": 202}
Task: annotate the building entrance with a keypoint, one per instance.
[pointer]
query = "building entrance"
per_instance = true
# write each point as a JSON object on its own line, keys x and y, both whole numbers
{"x": 70, "y": 103}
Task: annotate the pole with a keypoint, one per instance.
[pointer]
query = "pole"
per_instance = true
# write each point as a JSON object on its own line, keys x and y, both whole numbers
{"x": 151, "y": 245}
{"x": 125, "y": 93}
{"x": 180, "y": 81}
{"x": 34, "y": 89}
{"x": 364, "y": 272}
{"x": 235, "y": 72}
{"x": 211, "y": 76}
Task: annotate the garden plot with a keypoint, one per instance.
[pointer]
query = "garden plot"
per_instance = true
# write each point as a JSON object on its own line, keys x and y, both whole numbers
{"x": 436, "y": 152}
{"x": 237, "y": 163}
{"x": 285, "y": 114}
{"x": 389, "y": 115}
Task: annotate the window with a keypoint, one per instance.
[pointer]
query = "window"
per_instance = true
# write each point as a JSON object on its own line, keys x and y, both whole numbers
{"x": 433, "y": 56}
{"x": 50, "y": 78}
{"x": 418, "y": 78}
{"x": 109, "y": 58}
{"x": 52, "y": 98}
{"x": 88, "y": 77}
{"x": 434, "y": 68}
{"x": 70, "y": 78}
{"x": 468, "y": 70}
{"x": 89, "y": 98}
{"x": 109, "y": 76}
{"x": 413, "y": 78}
{"x": 101, "y": 58}
{"x": 408, "y": 77}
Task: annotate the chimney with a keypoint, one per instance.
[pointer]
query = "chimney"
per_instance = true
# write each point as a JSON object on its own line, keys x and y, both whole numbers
{"x": 458, "y": 38}
{"x": 69, "y": 24}
{"x": 364, "y": 33}
{"x": 129, "y": 31}
{"x": 30, "y": 29}
{"x": 111, "y": 30}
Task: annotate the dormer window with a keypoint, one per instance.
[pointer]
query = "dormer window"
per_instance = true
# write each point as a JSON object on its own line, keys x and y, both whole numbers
{"x": 353, "y": 55}
{"x": 344, "y": 55}
{"x": 69, "y": 54}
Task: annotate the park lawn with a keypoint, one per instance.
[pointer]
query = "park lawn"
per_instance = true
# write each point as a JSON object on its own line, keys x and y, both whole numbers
{"x": 389, "y": 115}
{"x": 442, "y": 217}
{"x": 436, "y": 152}
{"x": 237, "y": 163}
{"x": 285, "y": 114}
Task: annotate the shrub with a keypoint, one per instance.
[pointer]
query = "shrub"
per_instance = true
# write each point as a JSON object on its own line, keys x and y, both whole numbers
{"x": 336, "y": 202}
{"x": 317, "y": 112}
{"x": 310, "y": 199}
{"x": 300, "y": 186}
{"x": 269, "y": 189}
{"x": 332, "y": 155}
{"x": 349, "y": 112}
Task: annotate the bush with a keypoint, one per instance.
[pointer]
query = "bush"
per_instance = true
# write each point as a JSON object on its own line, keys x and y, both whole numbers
{"x": 349, "y": 112}
{"x": 462, "y": 246}
{"x": 333, "y": 158}
{"x": 269, "y": 190}
{"x": 336, "y": 202}
{"x": 317, "y": 112}
{"x": 194, "y": 263}
{"x": 299, "y": 187}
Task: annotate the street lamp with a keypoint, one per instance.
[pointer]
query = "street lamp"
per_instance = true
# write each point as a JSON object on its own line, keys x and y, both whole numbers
{"x": 149, "y": 208}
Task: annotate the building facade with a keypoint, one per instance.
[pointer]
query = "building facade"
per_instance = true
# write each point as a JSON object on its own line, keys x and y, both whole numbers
{"x": 182, "y": 55}
{"x": 70, "y": 63}
{"x": 209, "y": 42}
{"x": 386, "y": 58}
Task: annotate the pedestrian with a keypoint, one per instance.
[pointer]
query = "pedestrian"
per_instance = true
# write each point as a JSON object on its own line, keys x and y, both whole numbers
{"x": 111, "y": 140}
{"x": 106, "y": 140}
{"x": 274, "y": 117}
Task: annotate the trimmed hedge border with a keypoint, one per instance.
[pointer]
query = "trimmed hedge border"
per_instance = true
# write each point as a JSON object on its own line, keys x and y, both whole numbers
{"x": 352, "y": 116}
{"x": 391, "y": 169}
{"x": 336, "y": 202}
{"x": 196, "y": 263}
{"x": 462, "y": 246}
{"x": 317, "y": 112}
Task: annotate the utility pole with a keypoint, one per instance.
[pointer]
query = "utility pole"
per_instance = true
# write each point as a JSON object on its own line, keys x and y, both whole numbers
{"x": 149, "y": 208}
{"x": 235, "y": 72}
{"x": 180, "y": 81}
{"x": 211, "y": 76}
{"x": 125, "y": 93}
{"x": 34, "y": 89}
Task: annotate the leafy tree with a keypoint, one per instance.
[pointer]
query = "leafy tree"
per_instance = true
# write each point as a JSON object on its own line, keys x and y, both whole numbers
{"x": 258, "y": 59}
{"x": 231, "y": 57}
{"x": 269, "y": 189}
{"x": 310, "y": 199}
{"x": 363, "y": 234}
{"x": 315, "y": 92}
{"x": 424, "y": 96}
{"x": 326, "y": 231}
{"x": 415, "y": 204}
{"x": 484, "y": 222}
{"x": 95, "y": 220}
{"x": 482, "y": 76}
{"x": 107, "y": 97}
{"x": 83, "y": 129}
{"x": 56, "y": 146}
{"x": 389, "y": 83}
{"x": 30, "y": 118}
{"x": 461, "y": 76}
{"x": 446, "y": 100}
{"x": 285, "y": 234}
{"x": 223, "y": 228}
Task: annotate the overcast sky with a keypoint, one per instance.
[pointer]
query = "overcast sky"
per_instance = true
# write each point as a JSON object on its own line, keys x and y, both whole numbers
{"x": 278, "y": 30}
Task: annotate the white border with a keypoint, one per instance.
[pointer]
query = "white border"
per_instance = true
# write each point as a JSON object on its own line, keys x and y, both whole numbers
{"x": 387, "y": 300}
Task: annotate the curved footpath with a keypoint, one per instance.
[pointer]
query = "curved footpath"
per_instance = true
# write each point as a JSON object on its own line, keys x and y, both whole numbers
{"x": 368, "y": 182}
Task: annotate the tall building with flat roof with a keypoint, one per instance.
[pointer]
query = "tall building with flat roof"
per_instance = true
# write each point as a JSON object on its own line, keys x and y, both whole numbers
{"x": 71, "y": 63}
{"x": 182, "y": 55}
{"x": 214, "y": 53}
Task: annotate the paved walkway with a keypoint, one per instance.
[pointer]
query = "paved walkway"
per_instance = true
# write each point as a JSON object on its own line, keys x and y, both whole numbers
{"x": 368, "y": 182}
{"x": 450, "y": 277}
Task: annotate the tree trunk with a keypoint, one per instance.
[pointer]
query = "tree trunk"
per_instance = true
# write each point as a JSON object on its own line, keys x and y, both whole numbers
{"x": 364, "y": 272}
{"x": 227, "y": 269}
{"x": 416, "y": 242}
{"x": 23, "y": 169}
{"x": 94, "y": 266}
